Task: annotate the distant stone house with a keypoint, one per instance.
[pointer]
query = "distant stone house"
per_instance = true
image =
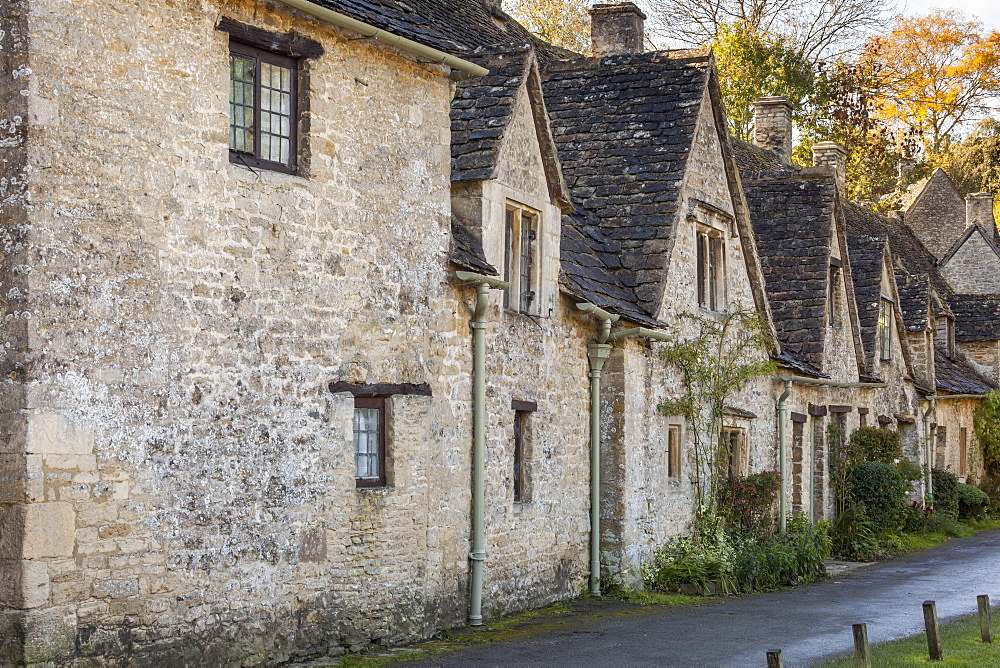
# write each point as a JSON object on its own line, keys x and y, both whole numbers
{"x": 322, "y": 379}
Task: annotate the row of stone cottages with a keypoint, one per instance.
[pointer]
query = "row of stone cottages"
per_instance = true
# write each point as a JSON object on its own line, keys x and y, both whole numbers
{"x": 350, "y": 371}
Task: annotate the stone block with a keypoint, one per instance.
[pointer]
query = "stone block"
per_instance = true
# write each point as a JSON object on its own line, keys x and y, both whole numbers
{"x": 48, "y": 530}
{"x": 49, "y": 635}
{"x": 51, "y": 433}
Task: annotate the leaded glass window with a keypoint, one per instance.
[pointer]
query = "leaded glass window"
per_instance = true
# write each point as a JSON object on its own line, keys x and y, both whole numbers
{"x": 369, "y": 441}
{"x": 262, "y": 108}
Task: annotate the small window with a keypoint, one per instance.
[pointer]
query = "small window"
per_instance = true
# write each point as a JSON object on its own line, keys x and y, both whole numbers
{"x": 674, "y": 451}
{"x": 263, "y": 112}
{"x": 951, "y": 337}
{"x": 963, "y": 451}
{"x": 735, "y": 451}
{"x": 831, "y": 297}
{"x": 885, "y": 329}
{"x": 369, "y": 441}
{"x": 520, "y": 420}
{"x": 710, "y": 270}
{"x": 520, "y": 259}
{"x": 941, "y": 447}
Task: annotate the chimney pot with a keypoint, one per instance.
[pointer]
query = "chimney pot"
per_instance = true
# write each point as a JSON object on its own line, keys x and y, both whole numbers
{"x": 616, "y": 28}
{"x": 772, "y": 126}
{"x": 832, "y": 154}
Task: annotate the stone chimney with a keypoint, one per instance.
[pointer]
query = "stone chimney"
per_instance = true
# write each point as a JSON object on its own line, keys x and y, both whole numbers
{"x": 906, "y": 167}
{"x": 832, "y": 154}
{"x": 616, "y": 28}
{"x": 772, "y": 126}
{"x": 979, "y": 207}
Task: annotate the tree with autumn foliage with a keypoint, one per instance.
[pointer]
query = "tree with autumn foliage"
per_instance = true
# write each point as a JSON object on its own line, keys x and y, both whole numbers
{"x": 938, "y": 72}
{"x": 563, "y": 23}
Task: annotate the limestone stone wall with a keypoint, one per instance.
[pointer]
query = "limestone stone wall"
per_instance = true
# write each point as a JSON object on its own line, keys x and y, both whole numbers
{"x": 952, "y": 416}
{"x": 187, "y": 473}
{"x": 974, "y": 268}
{"x": 937, "y": 216}
{"x": 986, "y": 354}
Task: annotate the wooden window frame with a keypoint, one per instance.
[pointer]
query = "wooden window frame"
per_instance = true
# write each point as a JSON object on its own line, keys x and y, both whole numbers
{"x": 831, "y": 297}
{"x": 737, "y": 454}
{"x": 520, "y": 429}
{"x": 674, "y": 451}
{"x": 522, "y": 231}
{"x": 378, "y": 403}
{"x": 710, "y": 261}
{"x": 885, "y": 320}
{"x": 255, "y": 161}
{"x": 963, "y": 451}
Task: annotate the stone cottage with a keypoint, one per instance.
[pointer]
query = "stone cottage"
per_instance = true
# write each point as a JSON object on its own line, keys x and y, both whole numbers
{"x": 379, "y": 356}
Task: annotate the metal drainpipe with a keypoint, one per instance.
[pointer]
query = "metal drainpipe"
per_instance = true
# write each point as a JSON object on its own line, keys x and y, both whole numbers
{"x": 597, "y": 355}
{"x": 782, "y": 455}
{"x": 478, "y": 324}
{"x": 928, "y": 478}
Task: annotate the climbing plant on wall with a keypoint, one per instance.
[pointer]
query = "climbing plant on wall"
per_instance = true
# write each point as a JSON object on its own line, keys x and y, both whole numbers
{"x": 721, "y": 357}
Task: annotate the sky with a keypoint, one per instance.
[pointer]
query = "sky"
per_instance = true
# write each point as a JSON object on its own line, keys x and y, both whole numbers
{"x": 987, "y": 11}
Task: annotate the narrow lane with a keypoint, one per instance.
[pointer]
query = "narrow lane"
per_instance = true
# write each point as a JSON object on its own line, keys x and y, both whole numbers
{"x": 809, "y": 624}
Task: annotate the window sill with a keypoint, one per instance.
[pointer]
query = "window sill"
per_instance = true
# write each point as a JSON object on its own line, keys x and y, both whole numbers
{"x": 372, "y": 487}
{"x": 521, "y": 506}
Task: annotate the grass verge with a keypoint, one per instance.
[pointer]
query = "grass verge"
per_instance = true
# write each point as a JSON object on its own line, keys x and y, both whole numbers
{"x": 960, "y": 642}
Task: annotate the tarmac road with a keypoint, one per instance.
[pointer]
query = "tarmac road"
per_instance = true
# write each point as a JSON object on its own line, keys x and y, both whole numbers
{"x": 809, "y": 624}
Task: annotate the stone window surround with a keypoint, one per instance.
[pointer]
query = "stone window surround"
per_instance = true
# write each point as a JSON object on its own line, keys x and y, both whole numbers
{"x": 736, "y": 449}
{"x": 711, "y": 223}
{"x": 520, "y": 298}
{"x": 675, "y": 446}
{"x": 885, "y": 323}
{"x": 521, "y": 449}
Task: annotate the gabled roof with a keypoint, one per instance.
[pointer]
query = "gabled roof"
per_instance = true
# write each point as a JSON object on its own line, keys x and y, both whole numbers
{"x": 977, "y": 317}
{"x": 956, "y": 376}
{"x": 452, "y": 26}
{"x": 753, "y": 158}
{"x": 938, "y": 177}
{"x": 624, "y": 126}
{"x": 590, "y": 266}
{"x": 975, "y": 228}
{"x": 792, "y": 220}
{"x": 482, "y": 111}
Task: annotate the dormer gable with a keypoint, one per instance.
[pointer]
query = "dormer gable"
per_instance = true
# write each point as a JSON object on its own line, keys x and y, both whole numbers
{"x": 972, "y": 264}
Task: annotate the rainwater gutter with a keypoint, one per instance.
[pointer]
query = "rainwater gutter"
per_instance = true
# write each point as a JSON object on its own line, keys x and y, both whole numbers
{"x": 465, "y": 69}
{"x": 928, "y": 478}
{"x": 478, "y": 324}
{"x": 783, "y": 437}
{"x": 597, "y": 355}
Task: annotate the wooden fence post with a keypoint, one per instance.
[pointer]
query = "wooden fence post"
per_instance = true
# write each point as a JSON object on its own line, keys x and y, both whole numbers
{"x": 861, "y": 657}
{"x": 933, "y": 631}
{"x": 985, "y": 623}
{"x": 774, "y": 659}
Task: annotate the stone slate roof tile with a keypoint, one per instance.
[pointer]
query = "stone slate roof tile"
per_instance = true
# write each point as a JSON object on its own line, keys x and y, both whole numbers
{"x": 867, "y": 255}
{"x": 590, "y": 266}
{"x": 482, "y": 110}
{"x": 792, "y": 219}
{"x": 956, "y": 376}
{"x": 977, "y": 317}
{"x": 624, "y": 126}
{"x": 467, "y": 251}
{"x": 751, "y": 158}
{"x": 914, "y": 300}
{"x": 453, "y": 26}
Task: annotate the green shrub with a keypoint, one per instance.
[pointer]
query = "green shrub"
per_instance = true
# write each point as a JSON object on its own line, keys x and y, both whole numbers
{"x": 853, "y": 535}
{"x": 704, "y": 565}
{"x": 746, "y": 503}
{"x": 986, "y": 425}
{"x": 972, "y": 501}
{"x": 945, "y": 492}
{"x": 918, "y": 518}
{"x": 782, "y": 559}
{"x": 881, "y": 491}
{"x": 873, "y": 444}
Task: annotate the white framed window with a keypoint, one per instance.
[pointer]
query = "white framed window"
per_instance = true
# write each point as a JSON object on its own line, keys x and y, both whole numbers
{"x": 521, "y": 265}
{"x": 711, "y": 269}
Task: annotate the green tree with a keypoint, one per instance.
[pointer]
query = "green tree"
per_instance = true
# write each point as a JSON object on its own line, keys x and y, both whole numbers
{"x": 752, "y": 64}
{"x": 563, "y": 23}
{"x": 721, "y": 359}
